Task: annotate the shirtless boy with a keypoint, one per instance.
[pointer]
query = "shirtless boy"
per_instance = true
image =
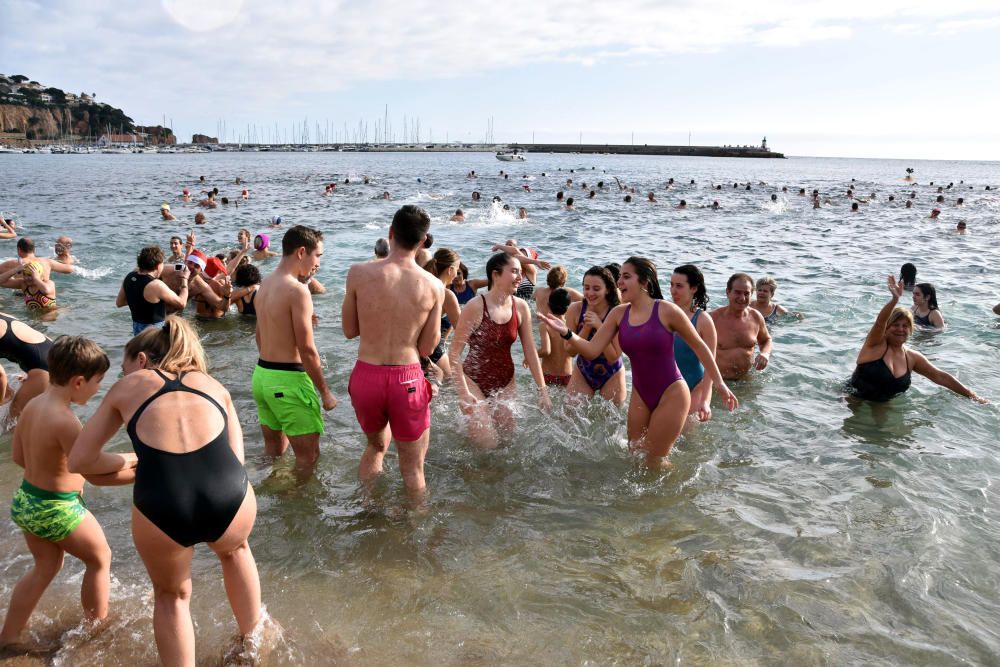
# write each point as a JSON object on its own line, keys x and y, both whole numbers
{"x": 740, "y": 328}
{"x": 395, "y": 307}
{"x": 288, "y": 374}
{"x": 49, "y": 506}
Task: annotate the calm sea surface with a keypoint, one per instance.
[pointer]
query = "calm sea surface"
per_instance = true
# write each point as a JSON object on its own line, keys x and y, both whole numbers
{"x": 795, "y": 531}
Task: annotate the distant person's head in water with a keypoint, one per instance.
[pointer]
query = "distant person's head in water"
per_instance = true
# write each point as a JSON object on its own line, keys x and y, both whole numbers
{"x": 854, "y": 207}
{"x": 748, "y": 186}
{"x": 559, "y": 196}
{"x": 381, "y": 248}
{"x": 683, "y": 204}
{"x": 522, "y": 213}
{"x": 201, "y": 179}
{"x": 592, "y": 194}
{"x": 892, "y": 197}
{"x": 638, "y": 275}
{"x": 774, "y": 197}
{"x": 715, "y": 204}
{"x": 459, "y": 216}
{"x": 475, "y": 195}
{"x": 569, "y": 202}
{"x": 960, "y": 201}
{"x": 908, "y": 276}
{"x": 199, "y": 218}
{"x": 940, "y": 199}
{"x": 802, "y": 191}
{"x": 934, "y": 213}
{"x": 909, "y": 203}
{"x": 960, "y": 227}
{"x": 651, "y": 197}
{"x": 628, "y": 199}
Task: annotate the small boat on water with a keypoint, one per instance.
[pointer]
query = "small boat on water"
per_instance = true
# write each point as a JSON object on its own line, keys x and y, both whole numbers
{"x": 510, "y": 156}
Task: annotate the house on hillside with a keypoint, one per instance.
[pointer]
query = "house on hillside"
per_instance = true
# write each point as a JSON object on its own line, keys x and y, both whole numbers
{"x": 120, "y": 140}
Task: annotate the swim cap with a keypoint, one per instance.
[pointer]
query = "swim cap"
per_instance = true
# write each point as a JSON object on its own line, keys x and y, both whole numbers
{"x": 164, "y": 206}
{"x": 186, "y": 191}
{"x": 214, "y": 266}
{"x": 261, "y": 242}
{"x": 33, "y": 267}
{"x": 276, "y": 220}
{"x": 197, "y": 257}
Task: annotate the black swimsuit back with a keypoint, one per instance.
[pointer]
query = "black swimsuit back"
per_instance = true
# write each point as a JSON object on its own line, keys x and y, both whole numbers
{"x": 28, "y": 356}
{"x": 194, "y": 496}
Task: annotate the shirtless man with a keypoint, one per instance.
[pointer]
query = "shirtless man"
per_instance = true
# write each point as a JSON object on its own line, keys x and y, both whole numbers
{"x": 395, "y": 307}
{"x": 739, "y": 328}
{"x": 32, "y": 275}
{"x": 288, "y": 374}
{"x": 209, "y": 286}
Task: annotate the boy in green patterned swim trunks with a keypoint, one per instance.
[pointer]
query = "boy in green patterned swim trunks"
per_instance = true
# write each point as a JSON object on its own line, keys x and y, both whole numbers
{"x": 49, "y": 506}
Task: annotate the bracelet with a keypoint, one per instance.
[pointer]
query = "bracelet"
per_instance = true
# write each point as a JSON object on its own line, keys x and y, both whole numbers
{"x": 566, "y": 336}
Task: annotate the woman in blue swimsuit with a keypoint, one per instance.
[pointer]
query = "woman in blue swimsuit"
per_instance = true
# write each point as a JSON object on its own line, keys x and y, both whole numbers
{"x": 604, "y": 374}
{"x": 687, "y": 290}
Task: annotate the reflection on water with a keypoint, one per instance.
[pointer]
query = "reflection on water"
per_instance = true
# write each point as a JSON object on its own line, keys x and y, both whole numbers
{"x": 802, "y": 526}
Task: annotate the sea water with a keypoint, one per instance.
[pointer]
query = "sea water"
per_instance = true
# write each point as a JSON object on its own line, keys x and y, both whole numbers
{"x": 797, "y": 530}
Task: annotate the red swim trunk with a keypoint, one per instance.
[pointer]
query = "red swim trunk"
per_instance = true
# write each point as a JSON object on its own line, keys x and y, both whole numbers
{"x": 399, "y": 396}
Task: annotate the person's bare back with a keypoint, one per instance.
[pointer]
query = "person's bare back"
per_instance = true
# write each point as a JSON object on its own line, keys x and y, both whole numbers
{"x": 397, "y": 306}
{"x": 278, "y": 296}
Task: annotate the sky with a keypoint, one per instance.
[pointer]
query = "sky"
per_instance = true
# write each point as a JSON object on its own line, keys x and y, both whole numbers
{"x": 914, "y": 79}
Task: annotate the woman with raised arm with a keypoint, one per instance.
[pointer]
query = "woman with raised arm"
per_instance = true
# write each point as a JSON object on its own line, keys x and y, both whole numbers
{"x": 604, "y": 374}
{"x": 884, "y": 363}
{"x": 646, "y": 326}
{"x": 444, "y": 265}
{"x": 186, "y": 491}
{"x": 485, "y": 378}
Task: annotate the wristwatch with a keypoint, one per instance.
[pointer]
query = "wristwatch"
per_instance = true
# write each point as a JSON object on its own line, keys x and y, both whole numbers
{"x": 567, "y": 335}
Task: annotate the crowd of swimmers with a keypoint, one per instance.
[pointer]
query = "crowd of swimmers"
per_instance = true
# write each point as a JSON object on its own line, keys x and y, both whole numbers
{"x": 446, "y": 329}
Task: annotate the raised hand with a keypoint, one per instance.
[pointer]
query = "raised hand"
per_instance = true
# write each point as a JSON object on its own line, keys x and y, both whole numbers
{"x": 895, "y": 288}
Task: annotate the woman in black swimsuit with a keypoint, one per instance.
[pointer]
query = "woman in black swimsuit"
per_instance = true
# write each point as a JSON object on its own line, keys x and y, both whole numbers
{"x": 885, "y": 363}
{"x": 28, "y": 349}
{"x": 186, "y": 491}
{"x": 247, "y": 281}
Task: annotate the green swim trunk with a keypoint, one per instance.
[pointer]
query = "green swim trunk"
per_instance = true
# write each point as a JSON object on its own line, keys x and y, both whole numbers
{"x": 50, "y": 515}
{"x": 286, "y": 399}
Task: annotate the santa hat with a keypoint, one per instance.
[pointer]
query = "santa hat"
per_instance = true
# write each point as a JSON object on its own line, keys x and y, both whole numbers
{"x": 214, "y": 266}
{"x": 199, "y": 258}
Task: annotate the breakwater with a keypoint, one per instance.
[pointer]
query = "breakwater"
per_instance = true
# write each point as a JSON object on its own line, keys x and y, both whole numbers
{"x": 650, "y": 149}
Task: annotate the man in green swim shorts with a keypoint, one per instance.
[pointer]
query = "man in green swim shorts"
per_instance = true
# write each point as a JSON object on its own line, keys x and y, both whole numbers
{"x": 49, "y": 506}
{"x": 288, "y": 383}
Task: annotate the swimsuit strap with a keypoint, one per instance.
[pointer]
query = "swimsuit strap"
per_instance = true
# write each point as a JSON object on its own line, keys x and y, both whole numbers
{"x": 169, "y": 385}
{"x": 694, "y": 319}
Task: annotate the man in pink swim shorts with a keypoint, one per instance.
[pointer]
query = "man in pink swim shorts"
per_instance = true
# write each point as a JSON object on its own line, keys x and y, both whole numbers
{"x": 395, "y": 307}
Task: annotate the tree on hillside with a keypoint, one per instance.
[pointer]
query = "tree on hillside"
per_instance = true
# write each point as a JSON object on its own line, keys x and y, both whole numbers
{"x": 57, "y": 96}
{"x": 18, "y": 78}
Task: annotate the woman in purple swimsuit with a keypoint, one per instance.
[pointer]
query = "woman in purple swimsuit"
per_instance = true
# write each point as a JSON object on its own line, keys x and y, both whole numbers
{"x": 645, "y": 326}
{"x": 603, "y": 374}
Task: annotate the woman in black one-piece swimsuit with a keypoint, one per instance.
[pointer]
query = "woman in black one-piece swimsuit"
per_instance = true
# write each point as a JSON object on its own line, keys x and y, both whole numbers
{"x": 190, "y": 484}
{"x": 885, "y": 364}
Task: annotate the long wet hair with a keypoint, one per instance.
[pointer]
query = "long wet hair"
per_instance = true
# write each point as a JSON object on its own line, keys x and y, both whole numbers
{"x": 645, "y": 271}
{"x": 697, "y": 281}
{"x": 442, "y": 259}
{"x": 908, "y": 274}
{"x": 611, "y": 290}
{"x": 496, "y": 263}
{"x": 929, "y": 293}
{"x": 173, "y": 348}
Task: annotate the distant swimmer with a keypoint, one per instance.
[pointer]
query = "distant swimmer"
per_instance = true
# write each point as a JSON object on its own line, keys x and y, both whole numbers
{"x": 522, "y": 213}
{"x": 559, "y": 196}
{"x": 909, "y": 203}
{"x": 458, "y": 217}
{"x": 774, "y": 197}
{"x": 8, "y": 230}
{"x": 394, "y": 307}
{"x": 424, "y": 253}
{"x": 381, "y": 248}
{"x": 926, "y": 313}
{"x": 961, "y": 227}
{"x": 208, "y": 201}
{"x": 199, "y": 218}
{"x": 186, "y": 196}
{"x": 569, "y": 202}
{"x": 386, "y": 196}
{"x": 288, "y": 383}
{"x": 934, "y": 214}
{"x": 854, "y": 208}
{"x": 715, "y": 205}
{"x": 884, "y": 364}
{"x": 646, "y": 326}
{"x": 165, "y": 212}
{"x": 245, "y": 194}
{"x": 262, "y": 248}
{"x": 908, "y": 276}
{"x": 64, "y": 250}
{"x": 275, "y": 221}
{"x": 683, "y": 204}
{"x": 740, "y": 329}
{"x": 651, "y": 197}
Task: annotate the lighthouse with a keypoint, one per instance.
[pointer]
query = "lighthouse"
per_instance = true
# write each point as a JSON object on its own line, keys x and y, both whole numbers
{"x": 763, "y": 144}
